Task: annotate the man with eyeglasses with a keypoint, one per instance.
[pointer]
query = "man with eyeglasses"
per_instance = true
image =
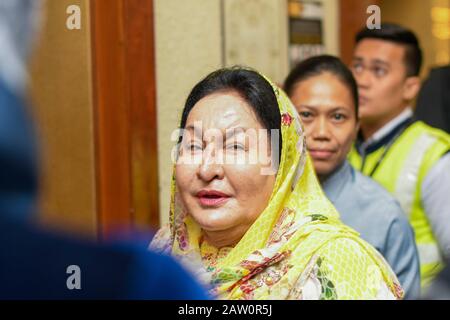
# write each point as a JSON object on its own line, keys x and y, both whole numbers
{"x": 409, "y": 158}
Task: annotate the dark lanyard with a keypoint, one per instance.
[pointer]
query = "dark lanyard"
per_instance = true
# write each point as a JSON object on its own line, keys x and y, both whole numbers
{"x": 387, "y": 148}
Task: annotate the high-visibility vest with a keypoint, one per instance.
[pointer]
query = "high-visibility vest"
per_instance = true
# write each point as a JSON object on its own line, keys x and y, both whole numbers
{"x": 401, "y": 172}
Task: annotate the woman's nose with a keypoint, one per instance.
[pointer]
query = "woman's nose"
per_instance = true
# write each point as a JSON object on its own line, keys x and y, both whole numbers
{"x": 211, "y": 167}
{"x": 321, "y": 130}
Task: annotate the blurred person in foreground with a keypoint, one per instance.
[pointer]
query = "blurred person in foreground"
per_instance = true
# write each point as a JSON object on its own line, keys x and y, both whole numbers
{"x": 34, "y": 263}
{"x": 325, "y": 95}
{"x": 407, "y": 157}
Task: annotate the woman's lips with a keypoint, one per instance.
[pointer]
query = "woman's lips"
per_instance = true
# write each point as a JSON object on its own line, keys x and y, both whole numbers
{"x": 212, "y": 198}
{"x": 321, "y": 154}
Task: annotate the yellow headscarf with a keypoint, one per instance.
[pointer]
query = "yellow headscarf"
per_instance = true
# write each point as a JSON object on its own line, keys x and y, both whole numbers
{"x": 296, "y": 249}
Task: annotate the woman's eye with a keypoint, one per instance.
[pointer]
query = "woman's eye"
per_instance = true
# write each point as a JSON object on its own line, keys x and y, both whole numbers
{"x": 194, "y": 147}
{"x": 305, "y": 114}
{"x": 236, "y": 146}
{"x": 338, "y": 116}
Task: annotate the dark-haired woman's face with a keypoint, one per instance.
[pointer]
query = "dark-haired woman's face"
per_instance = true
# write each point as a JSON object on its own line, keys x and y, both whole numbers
{"x": 327, "y": 111}
{"x": 222, "y": 190}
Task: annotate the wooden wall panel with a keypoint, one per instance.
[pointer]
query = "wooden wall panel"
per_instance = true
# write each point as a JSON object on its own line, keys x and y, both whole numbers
{"x": 61, "y": 92}
{"x": 125, "y": 109}
{"x": 142, "y": 90}
{"x": 353, "y": 18}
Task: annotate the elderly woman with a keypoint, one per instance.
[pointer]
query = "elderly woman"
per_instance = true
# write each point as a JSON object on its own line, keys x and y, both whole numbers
{"x": 258, "y": 230}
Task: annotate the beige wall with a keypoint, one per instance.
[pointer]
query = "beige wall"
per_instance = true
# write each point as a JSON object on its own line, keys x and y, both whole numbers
{"x": 61, "y": 90}
{"x": 188, "y": 46}
{"x": 256, "y": 35}
{"x": 331, "y": 26}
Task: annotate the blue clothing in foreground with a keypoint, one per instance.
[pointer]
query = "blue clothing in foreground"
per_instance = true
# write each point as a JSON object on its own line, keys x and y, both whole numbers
{"x": 18, "y": 158}
{"x": 34, "y": 265}
{"x": 369, "y": 209}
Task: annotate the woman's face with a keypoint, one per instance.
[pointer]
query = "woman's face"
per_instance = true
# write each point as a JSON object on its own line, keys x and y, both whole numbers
{"x": 327, "y": 110}
{"x": 223, "y": 196}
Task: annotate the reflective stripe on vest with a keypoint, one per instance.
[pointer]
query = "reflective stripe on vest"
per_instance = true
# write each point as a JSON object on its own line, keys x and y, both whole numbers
{"x": 406, "y": 189}
{"x": 407, "y": 180}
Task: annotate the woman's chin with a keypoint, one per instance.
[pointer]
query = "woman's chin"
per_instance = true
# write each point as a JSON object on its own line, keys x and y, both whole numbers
{"x": 212, "y": 220}
{"x": 214, "y": 225}
{"x": 324, "y": 170}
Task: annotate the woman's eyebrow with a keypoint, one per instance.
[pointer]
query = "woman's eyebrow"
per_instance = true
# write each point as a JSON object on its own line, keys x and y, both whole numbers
{"x": 197, "y": 130}
{"x": 310, "y": 107}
